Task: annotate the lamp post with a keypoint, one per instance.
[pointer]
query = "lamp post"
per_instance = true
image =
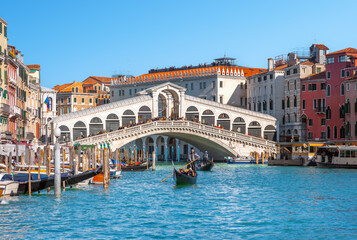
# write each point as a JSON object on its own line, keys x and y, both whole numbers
{"x": 57, "y": 133}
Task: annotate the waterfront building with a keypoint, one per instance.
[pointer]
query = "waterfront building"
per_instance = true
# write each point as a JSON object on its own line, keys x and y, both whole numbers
{"x": 313, "y": 107}
{"x": 299, "y": 66}
{"x": 340, "y": 66}
{"x": 265, "y": 90}
{"x": 72, "y": 97}
{"x": 48, "y": 111}
{"x": 221, "y": 81}
{"x": 351, "y": 104}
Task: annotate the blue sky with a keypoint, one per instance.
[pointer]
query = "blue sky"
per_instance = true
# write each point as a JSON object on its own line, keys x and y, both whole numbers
{"x": 76, "y": 39}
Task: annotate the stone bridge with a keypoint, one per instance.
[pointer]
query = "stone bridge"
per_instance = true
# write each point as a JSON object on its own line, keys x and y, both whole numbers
{"x": 204, "y": 124}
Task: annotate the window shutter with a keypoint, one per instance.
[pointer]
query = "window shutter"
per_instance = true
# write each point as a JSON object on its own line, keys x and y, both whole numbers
{"x": 0, "y": 27}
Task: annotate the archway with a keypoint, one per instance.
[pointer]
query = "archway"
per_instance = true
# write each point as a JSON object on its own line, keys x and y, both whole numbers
{"x": 208, "y": 117}
{"x": 224, "y": 121}
{"x": 162, "y": 106}
{"x": 128, "y": 118}
{"x": 144, "y": 114}
{"x": 239, "y": 125}
{"x": 65, "y": 134}
{"x": 255, "y": 129}
{"x": 192, "y": 114}
{"x": 149, "y": 145}
{"x": 79, "y": 130}
{"x": 270, "y": 133}
{"x": 112, "y": 122}
{"x": 160, "y": 142}
{"x": 95, "y": 126}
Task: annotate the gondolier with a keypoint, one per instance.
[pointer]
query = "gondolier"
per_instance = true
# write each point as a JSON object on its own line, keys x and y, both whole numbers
{"x": 205, "y": 158}
{"x": 193, "y": 157}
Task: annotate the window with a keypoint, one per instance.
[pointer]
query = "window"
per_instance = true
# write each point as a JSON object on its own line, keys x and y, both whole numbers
{"x": 82, "y": 100}
{"x": 347, "y": 87}
{"x": 214, "y": 84}
{"x": 69, "y": 100}
{"x": 342, "y": 58}
{"x": 72, "y": 89}
{"x": 200, "y": 85}
{"x": 112, "y": 93}
{"x": 330, "y": 60}
{"x": 328, "y": 91}
{"x": 323, "y": 86}
{"x": 69, "y": 110}
{"x": 221, "y": 99}
{"x": 76, "y": 89}
{"x": 347, "y": 73}
{"x": 303, "y": 88}
{"x": 75, "y": 100}
{"x": 342, "y": 89}
{"x": 62, "y": 111}
{"x": 96, "y": 100}
{"x": 186, "y": 86}
{"x": 335, "y": 132}
{"x": 314, "y": 104}
{"x": 271, "y": 104}
{"x": 328, "y": 132}
{"x": 191, "y": 86}
{"x": 323, "y": 135}
{"x": 328, "y": 113}
{"x": 91, "y": 101}
{"x": 309, "y": 135}
{"x": 271, "y": 76}
{"x": 204, "y": 85}
{"x": 221, "y": 84}
{"x": 295, "y": 101}
{"x": 288, "y": 72}
{"x": 5, "y": 31}
{"x": 323, "y": 121}
{"x": 312, "y": 87}
{"x": 282, "y": 104}
{"x": 61, "y": 100}
{"x": 288, "y": 102}
{"x": 265, "y": 78}
{"x": 99, "y": 88}
{"x": 310, "y": 122}
{"x": 328, "y": 75}
{"x": 295, "y": 71}
{"x": 303, "y": 104}
{"x": 318, "y": 70}
{"x": 122, "y": 92}
{"x": 130, "y": 92}
{"x": 241, "y": 101}
{"x": 214, "y": 98}
{"x": 342, "y": 73}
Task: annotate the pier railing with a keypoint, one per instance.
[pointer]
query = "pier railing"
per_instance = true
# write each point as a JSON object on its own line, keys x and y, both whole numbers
{"x": 175, "y": 126}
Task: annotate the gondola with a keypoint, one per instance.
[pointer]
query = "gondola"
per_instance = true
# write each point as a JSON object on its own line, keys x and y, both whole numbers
{"x": 207, "y": 167}
{"x": 38, "y": 185}
{"x": 80, "y": 177}
{"x": 133, "y": 168}
{"x": 183, "y": 179}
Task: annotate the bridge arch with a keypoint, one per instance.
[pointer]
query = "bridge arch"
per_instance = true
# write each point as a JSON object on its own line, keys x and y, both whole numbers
{"x": 224, "y": 121}
{"x": 239, "y": 125}
{"x": 192, "y": 113}
{"x": 208, "y": 117}
{"x": 95, "y": 126}
{"x": 112, "y": 122}
{"x": 128, "y": 117}
{"x": 65, "y": 134}
{"x": 79, "y": 130}
{"x": 144, "y": 113}
{"x": 255, "y": 129}
{"x": 270, "y": 133}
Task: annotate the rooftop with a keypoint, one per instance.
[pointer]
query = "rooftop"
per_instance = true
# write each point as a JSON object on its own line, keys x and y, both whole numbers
{"x": 34, "y": 67}
{"x": 316, "y": 76}
{"x": 346, "y": 50}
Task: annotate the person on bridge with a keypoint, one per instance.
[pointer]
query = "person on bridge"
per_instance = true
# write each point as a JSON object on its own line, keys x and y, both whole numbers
{"x": 193, "y": 157}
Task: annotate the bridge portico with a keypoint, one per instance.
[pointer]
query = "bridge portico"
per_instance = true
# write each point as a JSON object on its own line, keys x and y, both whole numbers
{"x": 168, "y": 101}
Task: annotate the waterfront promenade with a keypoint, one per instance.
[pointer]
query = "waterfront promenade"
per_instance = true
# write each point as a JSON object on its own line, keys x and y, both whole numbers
{"x": 231, "y": 202}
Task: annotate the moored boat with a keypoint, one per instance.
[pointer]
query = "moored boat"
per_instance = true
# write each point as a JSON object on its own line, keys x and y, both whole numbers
{"x": 337, "y": 156}
{"x": 9, "y": 188}
{"x": 205, "y": 167}
{"x": 137, "y": 167}
{"x": 184, "y": 179}
{"x": 82, "y": 177}
{"x": 241, "y": 160}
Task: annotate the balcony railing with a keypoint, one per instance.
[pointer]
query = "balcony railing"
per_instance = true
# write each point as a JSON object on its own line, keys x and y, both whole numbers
{"x": 321, "y": 110}
{"x": 5, "y": 109}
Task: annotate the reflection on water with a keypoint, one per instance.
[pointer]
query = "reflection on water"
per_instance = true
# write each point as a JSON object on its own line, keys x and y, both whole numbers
{"x": 231, "y": 202}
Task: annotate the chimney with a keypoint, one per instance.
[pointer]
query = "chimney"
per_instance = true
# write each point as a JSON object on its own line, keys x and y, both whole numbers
{"x": 270, "y": 64}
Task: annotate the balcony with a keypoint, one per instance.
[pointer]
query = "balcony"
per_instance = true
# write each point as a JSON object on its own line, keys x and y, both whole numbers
{"x": 5, "y": 110}
{"x": 15, "y": 112}
{"x": 29, "y": 136}
{"x": 320, "y": 110}
{"x": 12, "y": 81}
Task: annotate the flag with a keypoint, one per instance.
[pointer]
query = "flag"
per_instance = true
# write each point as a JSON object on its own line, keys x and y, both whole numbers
{"x": 47, "y": 102}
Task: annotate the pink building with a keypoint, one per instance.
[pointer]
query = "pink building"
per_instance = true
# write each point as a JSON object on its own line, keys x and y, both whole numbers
{"x": 351, "y": 105}
{"x": 337, "y": 71}
{"x": 313, "y": 107}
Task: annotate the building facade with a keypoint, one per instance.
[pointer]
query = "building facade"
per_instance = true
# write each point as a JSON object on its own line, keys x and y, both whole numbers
{"x": 340, "y": 66}
{"x": 351, "y": 105}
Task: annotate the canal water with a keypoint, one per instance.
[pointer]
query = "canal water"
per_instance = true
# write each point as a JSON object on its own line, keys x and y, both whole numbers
{"x": 231, "y": 202}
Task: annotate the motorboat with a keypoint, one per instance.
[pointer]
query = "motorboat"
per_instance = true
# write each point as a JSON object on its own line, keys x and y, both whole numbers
{"x": 9, "y": 188}
{"x": 241, "y": 160}
{"x": 336, "y": 156}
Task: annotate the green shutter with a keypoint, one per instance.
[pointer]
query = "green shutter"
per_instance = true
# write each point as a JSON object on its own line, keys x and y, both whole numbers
{"x": 0, "y": 27}
{"x": 5, "y": 31}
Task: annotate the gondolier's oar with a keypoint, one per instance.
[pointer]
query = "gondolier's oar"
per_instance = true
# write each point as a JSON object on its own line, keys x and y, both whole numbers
{"x": 180, "y": 168}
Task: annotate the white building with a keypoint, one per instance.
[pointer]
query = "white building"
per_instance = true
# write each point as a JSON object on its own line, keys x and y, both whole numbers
{"x": 265, "y": 91}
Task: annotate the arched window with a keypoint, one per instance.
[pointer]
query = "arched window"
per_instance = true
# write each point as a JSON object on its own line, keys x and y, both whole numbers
{"x": 335, "y": 132}
{"x": 128, "y": 117}
{"x": 271, "y": 104}
{"x": 342, "y": 89}
{"x": 287, "y": 102}
{"x": 112, "y": 122}
{"x": 95, "y": 126}
{"x": 328, "y": 91}
{"x": 224, "y": 121}
{"x": 328, "y": 132}
{"x": 295, "y": 101}
{"x": 264, "y": 105}
{"x": 208, "y": 117}
{"x": 342, "y": 132}
{"x": 255, "y": 129}
{"x": 192, "y": 114}
{"x": 270, "y": 132}
{"x": 79, "y": 130}
{"x": 144, "y": 113}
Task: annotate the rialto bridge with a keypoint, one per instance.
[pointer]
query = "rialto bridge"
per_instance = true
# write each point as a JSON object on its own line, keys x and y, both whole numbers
{"x": 166, "y": 120}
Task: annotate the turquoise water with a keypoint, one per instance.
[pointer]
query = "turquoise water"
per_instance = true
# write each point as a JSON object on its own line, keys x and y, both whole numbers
{"x": 231, "y": 202}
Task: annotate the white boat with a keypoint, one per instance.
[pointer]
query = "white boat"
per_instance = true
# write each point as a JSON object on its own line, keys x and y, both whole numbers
{"x": 9, "y": 188}
{"x": 336, "y": 156}
{"x": 114, "y": 173}
{"x": 241, "y": 160}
